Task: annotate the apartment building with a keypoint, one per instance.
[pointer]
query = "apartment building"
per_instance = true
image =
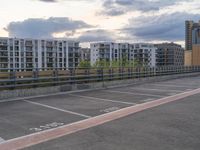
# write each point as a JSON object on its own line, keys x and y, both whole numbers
{"x": 169, "y": 54}
{"x": 143, "y": 53}
{"x": 26, "y": 54}
{"x": 85, "y": 54}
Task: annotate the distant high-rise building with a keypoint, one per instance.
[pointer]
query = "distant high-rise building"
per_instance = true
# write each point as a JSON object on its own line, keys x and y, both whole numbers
{"x": 192, "y": 41}
{"x": 196, "y": 36}
{"x": 188, "y": 35}
{"x": 190, "y": 29}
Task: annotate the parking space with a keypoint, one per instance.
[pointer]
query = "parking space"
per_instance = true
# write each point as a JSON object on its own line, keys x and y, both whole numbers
{"x": 120, "y": 97}
{"x": 21, "y": 118}
{"x": 81, "y": 105}
{"x": 148, "y": 91}
{"x": 170, "y": 88}
{"x": 24, "y": 117}
{"x": 191, "y": 82}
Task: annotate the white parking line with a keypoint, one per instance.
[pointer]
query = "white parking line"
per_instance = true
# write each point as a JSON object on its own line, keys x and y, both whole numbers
{"x": 134, "y": 93}
{"x": 162, "y": 90}
{"x": 170, "y": 85}
{"x": 188, "y": 89}
{"x": 147, "y": 100}
{"x": 183, "y": 84}
{"x": 55, "y": 108}
{"x": 45, "y": 95}
{"x": 171, "y": 94}
{"x": 101, "y": 99}
{"x": 1, "y": 140}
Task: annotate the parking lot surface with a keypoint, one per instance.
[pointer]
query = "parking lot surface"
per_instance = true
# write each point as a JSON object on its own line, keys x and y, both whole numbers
{"x": 136, "y": 118}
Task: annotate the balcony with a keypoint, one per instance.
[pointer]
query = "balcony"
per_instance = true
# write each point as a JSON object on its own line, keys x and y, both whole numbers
{"x": 28, "y": 43}
{"x": 4, "y": 48}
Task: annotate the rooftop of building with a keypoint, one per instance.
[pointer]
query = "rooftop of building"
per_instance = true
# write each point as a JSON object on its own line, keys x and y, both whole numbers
{"x": 40, "y": 39}
{"x": 169, "y": 44}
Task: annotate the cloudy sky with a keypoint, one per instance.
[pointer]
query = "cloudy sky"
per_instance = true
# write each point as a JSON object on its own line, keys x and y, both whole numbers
{"x": 98, "y": 20}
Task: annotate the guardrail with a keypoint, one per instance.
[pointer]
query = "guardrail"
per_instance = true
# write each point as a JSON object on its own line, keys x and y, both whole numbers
{"x": 14, "y": 79}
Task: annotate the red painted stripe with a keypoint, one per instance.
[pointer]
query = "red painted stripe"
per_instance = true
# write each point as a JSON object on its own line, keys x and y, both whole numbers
{"x": 36, "y": 138}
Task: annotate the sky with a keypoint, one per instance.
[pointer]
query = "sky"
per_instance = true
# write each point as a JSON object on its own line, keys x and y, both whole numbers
{"x": 152, "y": 21}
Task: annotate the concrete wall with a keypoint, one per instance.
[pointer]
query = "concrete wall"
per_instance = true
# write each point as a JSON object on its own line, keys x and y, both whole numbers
{"x": 33, "y": 92}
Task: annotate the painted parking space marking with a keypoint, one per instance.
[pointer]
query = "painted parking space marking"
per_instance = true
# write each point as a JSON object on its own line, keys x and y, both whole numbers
{"x": 44, "y": 136}
{"x": 55, "y": 108}
{"x": 147, "y": 100}
{"x": 111, "y": 109}
{"x": 171, "y": 94}
{"x": 46, "y": 126}
{"x": 171, "y": 85}
{"x": 185, "y": 84}
{"x": 162, "y": 90}
{"x": 1, "y": 140}
{"x": 44, "y": 95}
{"x": 142, "y": 94}
{"x": 188, "y": 89}
{"x": 101, "y": 99}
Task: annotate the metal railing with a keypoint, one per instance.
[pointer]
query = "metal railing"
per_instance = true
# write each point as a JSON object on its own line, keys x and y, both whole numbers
{"x": 14, "y": 79}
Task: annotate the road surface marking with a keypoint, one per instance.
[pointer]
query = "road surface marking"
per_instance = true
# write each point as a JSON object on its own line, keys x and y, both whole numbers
{"x": 147, "y": 100}
{"x": 188, "y": 89}
{"x": 46, "y": 126}
{"x": 55, "y": 108}
{"x": 44, "y": 136}
{"x": 101, "y": 99}
{"x": 46, "y": 95}
{"x": 111, "y": 109}
{"x": 185, "y": 84}
{"x": 1, "y": 140}
{"x": 162, "y": 90}
{"x": 133, "y": 93}
{"x": 172, "y": 94}
{"x": 170, "y": 85}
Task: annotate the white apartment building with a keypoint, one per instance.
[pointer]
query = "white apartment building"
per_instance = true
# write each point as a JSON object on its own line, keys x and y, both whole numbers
{"x": 144, "y": 53}
{"x": 26, "y": 54}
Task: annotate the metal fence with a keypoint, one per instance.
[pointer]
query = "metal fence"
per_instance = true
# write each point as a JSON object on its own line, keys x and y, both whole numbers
{"x": 14, "y": 79}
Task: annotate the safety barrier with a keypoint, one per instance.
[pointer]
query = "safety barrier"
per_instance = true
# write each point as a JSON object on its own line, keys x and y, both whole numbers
{"x": 41, "y": 77}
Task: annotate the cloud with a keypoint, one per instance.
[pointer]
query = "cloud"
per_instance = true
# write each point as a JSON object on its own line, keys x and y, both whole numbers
{"x": 111, "y": 7}
{"x": 49, "y": 1}
{"x": 54, "y": 1}
{"x": 164, "y": 27}
{"x": 96, "y": 35}
{"x": 112, "y": 12}
{"x": 44, "y": 28}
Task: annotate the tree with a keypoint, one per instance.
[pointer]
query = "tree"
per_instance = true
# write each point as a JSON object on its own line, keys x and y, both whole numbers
{"x": 124, "y": 62}
{"x": 134, "y": 63}
{"x": 115, "y": 63}
{"x": 102, "y": 64}
{"x": 84, "y": 64}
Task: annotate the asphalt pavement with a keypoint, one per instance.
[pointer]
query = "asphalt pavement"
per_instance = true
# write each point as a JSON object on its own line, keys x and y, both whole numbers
{"x": 174, "y": 125}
